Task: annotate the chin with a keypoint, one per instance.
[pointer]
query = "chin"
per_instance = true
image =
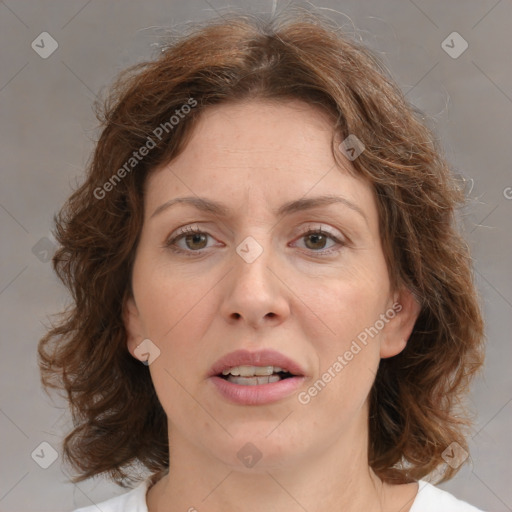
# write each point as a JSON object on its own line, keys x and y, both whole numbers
{"x": 254, "y": 450}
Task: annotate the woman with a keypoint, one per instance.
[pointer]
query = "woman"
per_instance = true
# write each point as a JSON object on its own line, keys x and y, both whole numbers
{"x": 272, "y": 309}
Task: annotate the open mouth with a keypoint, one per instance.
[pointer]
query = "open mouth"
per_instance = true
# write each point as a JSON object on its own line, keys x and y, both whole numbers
{"x": 256, "y": 378}
{"x": 255, "y": 375}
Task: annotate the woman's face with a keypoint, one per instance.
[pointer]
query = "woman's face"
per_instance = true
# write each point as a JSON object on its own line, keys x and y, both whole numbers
{"x": 252, "y": 279}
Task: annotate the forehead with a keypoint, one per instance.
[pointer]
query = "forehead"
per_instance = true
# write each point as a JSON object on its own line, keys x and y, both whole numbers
{"x": 256, "y": 154}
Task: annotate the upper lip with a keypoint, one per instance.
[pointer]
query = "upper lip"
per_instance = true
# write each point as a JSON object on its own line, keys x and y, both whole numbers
{"x": 260, "y": 358}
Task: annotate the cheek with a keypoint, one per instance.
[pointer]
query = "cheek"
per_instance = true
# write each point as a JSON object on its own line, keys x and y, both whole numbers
{"x": 176, "y": 313}
{"x": 169, "y": 301}
{"x": 348, "y": 352}
{"x": 347, "y": 307}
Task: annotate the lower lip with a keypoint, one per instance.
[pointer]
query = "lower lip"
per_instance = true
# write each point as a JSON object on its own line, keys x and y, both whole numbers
{"x": 259, "y": 394}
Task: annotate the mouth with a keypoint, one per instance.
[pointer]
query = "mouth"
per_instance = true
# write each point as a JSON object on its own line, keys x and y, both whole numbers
{"x": 255, "y": 375}
{"x": 256, "y": 378}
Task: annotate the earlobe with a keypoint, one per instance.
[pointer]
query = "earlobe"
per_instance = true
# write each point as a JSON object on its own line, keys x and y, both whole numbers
{"x": 399, "y": 328}
{"x": 132, "y": 323}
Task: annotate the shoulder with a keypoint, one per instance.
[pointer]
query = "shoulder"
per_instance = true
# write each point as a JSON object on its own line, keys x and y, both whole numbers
{"x": 432, "y": 499}
{"x": 131, "y": 501}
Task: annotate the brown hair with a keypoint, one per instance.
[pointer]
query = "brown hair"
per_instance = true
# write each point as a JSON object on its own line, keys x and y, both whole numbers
{"x": 298, "y": 54}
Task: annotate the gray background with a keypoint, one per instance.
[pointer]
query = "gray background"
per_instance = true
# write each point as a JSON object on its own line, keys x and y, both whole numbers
{"x": 47, "y": 133}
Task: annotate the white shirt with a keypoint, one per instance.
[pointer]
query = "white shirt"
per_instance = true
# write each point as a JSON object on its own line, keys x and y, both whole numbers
{"x": 428, "y": 499}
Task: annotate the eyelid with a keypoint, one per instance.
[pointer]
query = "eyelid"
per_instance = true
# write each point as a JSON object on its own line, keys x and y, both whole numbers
{"x": 183, "y": 230}
{"x": 317, "y": 227}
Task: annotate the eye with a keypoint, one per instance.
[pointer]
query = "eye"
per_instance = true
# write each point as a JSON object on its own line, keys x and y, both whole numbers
{"x": 193, "y": 238}
{"x": 317, "y": 238}
{"x": 192, "y": 241}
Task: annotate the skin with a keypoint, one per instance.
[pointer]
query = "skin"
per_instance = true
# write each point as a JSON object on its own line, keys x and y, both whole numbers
{"x": 253, "y": 157}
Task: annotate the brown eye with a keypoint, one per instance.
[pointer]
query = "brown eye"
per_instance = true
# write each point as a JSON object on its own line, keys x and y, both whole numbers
{"x": 196, "y": 241}
{"x": 318, "y": 241}
{"x": 189, "y": 240}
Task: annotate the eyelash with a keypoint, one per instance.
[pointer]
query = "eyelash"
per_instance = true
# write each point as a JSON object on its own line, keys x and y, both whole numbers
{"x": 170, "y": 243}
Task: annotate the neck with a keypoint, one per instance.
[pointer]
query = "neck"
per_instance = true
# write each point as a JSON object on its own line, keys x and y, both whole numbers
{"x": 334, "y": 478}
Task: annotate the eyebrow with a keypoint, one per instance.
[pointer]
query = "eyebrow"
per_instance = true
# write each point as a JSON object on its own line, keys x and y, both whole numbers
{"x": 214, "y": 207}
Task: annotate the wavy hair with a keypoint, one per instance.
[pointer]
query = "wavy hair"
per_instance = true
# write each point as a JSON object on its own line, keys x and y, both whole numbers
{"x": 416, "y": 401}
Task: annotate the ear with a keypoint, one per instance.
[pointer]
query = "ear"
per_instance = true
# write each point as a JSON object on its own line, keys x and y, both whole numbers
{"x": 132, "y": 324}
{"x": 399, "y": 328}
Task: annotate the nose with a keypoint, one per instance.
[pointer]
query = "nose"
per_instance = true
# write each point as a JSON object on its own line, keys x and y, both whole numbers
{"x": 255, "y": 293}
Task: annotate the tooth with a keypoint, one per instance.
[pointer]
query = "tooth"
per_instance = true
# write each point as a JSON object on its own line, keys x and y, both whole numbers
{"x": 254, "y": 381}
{"x": 245, "y": 381}
{"x": 264, "y": 370}
{"x": 249, "y": 371}
{"x": 246, "y": 371}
